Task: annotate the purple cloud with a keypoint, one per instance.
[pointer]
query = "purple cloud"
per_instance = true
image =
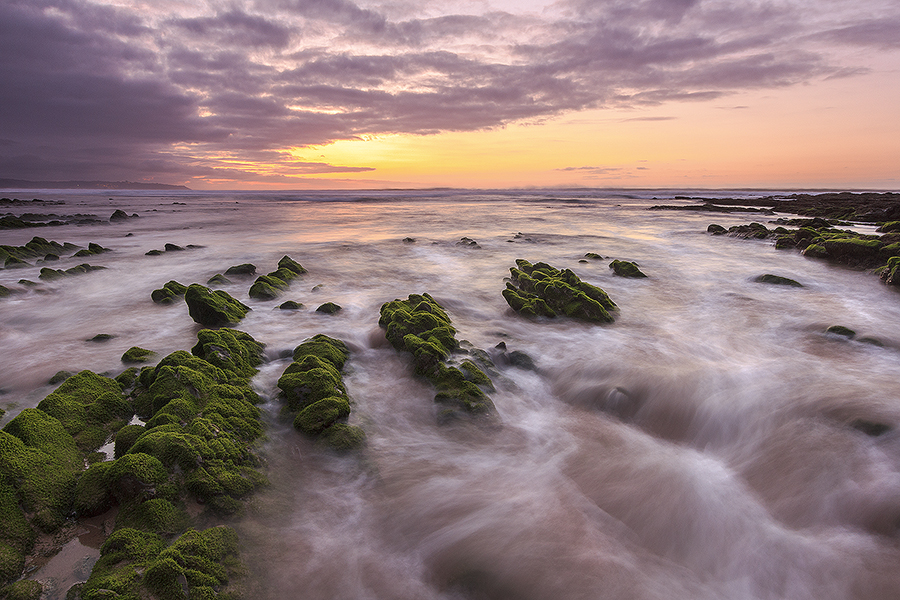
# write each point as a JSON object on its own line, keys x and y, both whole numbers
{"x": 96, "y": 91}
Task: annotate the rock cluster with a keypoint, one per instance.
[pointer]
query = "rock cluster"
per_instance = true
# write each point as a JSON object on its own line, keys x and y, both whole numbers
{"x": 315, "y": 395}
{"x": 539, "y": 290}
{"x": 420, "y": 326}
{"x": 268, "y": 287}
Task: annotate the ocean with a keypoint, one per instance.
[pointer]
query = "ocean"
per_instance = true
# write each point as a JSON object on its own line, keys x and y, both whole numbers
{"x": 705, "y": 445}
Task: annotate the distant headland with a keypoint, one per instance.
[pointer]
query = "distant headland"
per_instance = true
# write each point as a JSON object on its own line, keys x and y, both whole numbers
{"x": 86, "y": 185}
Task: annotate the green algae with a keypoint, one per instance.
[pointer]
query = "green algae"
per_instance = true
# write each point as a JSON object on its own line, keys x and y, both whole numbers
{"x": 136, "y": 355}
{"x": 777, "y": 280}
{"x": 168, "y": 293}
{"x": 329, "y": 308}
{"x": 623, "y": 268}
{"x": 540, "y": 290}
{"x": 213, "y": 308}
{"x": 90, "y": 406}
{"x": 312, "y": 387}
{"x": 420, "y": 326}
{"x": 229, "y": 350}
{"x": 270, "y": 286}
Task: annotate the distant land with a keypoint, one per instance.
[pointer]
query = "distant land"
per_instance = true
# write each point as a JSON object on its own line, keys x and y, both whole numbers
{"x": 86, "y": 185}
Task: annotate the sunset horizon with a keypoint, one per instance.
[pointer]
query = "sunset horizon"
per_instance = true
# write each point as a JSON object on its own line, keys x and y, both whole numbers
{"x": 336, "y": 94}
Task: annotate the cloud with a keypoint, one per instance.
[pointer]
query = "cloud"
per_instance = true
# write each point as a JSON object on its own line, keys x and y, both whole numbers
{"x": 95, "y": 90}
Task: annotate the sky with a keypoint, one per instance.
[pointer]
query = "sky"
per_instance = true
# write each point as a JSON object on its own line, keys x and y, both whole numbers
{"x": 297, "y": 94}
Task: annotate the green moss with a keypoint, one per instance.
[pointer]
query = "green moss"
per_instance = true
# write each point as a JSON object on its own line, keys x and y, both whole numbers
{"x": 329, "y": 308}
{"x": 321, "y": 414}
{"x": 11, "y": 563}
{"x": 73, "y": 404}
{"x": 135, "y": 475}
{"x": 543, "y": 290}
{"x": 218, "y": 279}
{"x": 290, "y": 305}
{"x": 311, "y": 361}
{"x": 342, "y": 437}
{"x": 92, "y": 497}
{"x": 126, "y": 437}
{"x": 326, "y": 348}
{"x": 230, "y": 350}
{"x": 290, "y": 264}
{"x": 44, "y": 484}
{"x": 624, "y": 268}
{"x": 303, "y": 388}
{"x": 242, "y": 269}
{"x": 213, "y": 308}
{"x": 157, "y": 515}
{"x": 815, "y": 251}
{"x": 777, "y": 280}
{"x": 262, "y": 290}
{"x": 22, "y": 590}
{"x": 168, "y": 293}
{"x": 127, "y": 378}
{"x": 39, "y": 430}
{"x": 136, "y": 354}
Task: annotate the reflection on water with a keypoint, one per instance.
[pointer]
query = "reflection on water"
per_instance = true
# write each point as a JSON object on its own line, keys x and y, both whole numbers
{"x": 713, "y": 443}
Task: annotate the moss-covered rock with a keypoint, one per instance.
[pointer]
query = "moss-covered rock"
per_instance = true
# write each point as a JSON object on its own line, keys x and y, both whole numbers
{"x": 25, "y": 589}
{"x": 420, "y": 326}
{"x": 218, "y": 279}
{"x": 841, "y": 331}
{"x": 213, "y": 308}
{"x": 623, "y": 268}
{"x": 229, "y": 350}
{"x": 540, "y": 290}
{"x": 90, "y": 406}
{"x": 777, "y": 280}
{"x": 168, "y": 293}
{"x": 242, "y": 269}
{"x": 716, "y": 229}
{"x": 136, "y": 355}
{"x": 268, "y": 287}
{"x": 290, "y": 305}
{"x": 329, "y": 308}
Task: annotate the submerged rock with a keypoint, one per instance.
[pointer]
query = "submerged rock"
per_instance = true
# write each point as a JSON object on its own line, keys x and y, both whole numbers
{"x": 841, "y": 331}
{"x": 290, "y": 305}
{"x": 168, "y": 293}
{"x": 329, "y": 308}
{"x": 218, "y": 279}
{"x": 268, "y": 287}
{"x": 540, "y": 290}
{"x": 213, "y": 308}
{"x": 624, "y": 268}
{"x": 716, "y": 229}
{"x": 420, "y": 326}
{"x": 242, "y": 269}
{"x": 136, "y": 355}
{"x": 777, "y": 280}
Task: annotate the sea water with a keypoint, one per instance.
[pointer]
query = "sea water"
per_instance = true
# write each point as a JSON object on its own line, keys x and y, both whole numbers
{"x": 705, "y": 445}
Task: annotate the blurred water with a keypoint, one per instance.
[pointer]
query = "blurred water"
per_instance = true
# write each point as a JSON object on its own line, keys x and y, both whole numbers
{"x": 701, "y": 447}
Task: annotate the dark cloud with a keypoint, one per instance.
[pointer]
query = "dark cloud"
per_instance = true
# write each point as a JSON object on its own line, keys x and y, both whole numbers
{"x": 880, "y": 33}
{"x": 92, "y": 91}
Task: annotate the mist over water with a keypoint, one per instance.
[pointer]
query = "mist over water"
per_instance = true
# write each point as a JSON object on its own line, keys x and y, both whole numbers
{"x": 709, "y": 444}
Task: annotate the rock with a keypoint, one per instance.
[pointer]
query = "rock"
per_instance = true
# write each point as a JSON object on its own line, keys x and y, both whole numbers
{"x": 101, "y": 337}
{"x": 420, "y": 326}
{"x": 593, "y": 256}
{"x": 168, "y": 293}
{"x": 242, "y": 269}
{"x": 871, "y": 428}
{"x": 153, "y": 253}
{"x": 841, "y": 331}
{"x": 173, "y": 248}
{"x": 135, "y": 355}
{"x": 467, "y": 242}
{"x": 624, "y": 268}
{"x": 213, "y": 308}
{"x": 59, "y": 377}
{"x": 540, "y": 290}
{"x": 777, "y": 280}
{"x": 268, "y": 287}
{"x": 815, "y": 251}
{"x": 118, "y": 215}
{"x": 218, "y": 279}
{"x": 716, "y": 229}
{"x": 290, "y": 305}
{"x": 409, "y": 240}
{"x": 329, "y": 308}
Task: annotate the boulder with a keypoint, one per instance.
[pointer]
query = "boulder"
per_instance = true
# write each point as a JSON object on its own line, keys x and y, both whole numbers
{"x": 213, "y": 308}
